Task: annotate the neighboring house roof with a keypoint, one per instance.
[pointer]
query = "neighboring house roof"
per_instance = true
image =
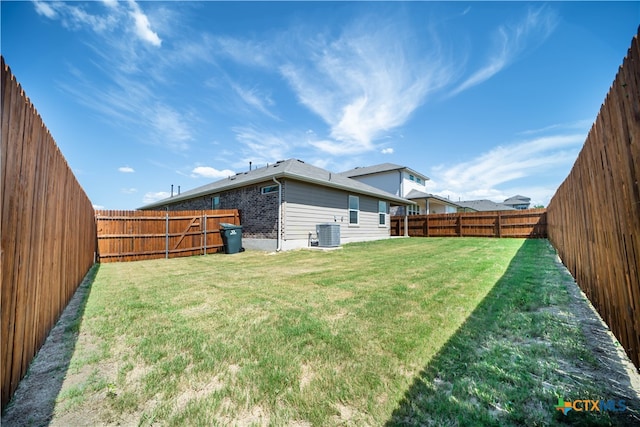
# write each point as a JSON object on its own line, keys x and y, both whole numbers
{"x": 416, "y": 194}
{"x": 484, "y": 205}
{"x": 383, "y": 167}
{"x": 291, "y": 169}
{"x": 517, "y": 200}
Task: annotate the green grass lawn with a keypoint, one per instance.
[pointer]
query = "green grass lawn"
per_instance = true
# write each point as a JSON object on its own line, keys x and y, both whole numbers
{"x": 400, "y": 332}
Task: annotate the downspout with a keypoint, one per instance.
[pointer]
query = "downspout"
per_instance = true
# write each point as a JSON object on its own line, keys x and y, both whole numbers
{"x": 278, "y": 242}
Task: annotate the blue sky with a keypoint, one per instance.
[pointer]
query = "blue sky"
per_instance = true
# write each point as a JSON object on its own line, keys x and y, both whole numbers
{"x": 488, "y": 99}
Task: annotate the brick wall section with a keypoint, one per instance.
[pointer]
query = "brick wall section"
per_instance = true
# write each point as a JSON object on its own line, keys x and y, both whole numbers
{"x": 258, "y": 212}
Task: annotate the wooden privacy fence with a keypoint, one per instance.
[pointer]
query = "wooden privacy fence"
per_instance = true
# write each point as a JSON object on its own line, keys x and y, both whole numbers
{"x": 140, "y": 235}
{"x": 529, "y": 223}
{"x": 48, "y": 233}
{"x": 594, "y": 217}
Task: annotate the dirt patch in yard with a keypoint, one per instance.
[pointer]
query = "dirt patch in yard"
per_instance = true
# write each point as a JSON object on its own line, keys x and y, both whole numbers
{"x": 614, "y": 368}
{"x": 33, "y": 402}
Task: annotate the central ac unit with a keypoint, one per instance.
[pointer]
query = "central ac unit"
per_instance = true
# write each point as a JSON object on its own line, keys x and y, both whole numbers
{"x": 328, "y": 234}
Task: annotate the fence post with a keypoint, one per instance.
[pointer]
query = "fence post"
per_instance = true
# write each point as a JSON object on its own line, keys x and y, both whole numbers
{"x": 459, "y": 225}
{"x": 166, "y": 239}
{"x": 426, "y": 225}
{"x": 499, "y": 222}
{"x": 205, "y": 232}
{"x": 406, "y": 224}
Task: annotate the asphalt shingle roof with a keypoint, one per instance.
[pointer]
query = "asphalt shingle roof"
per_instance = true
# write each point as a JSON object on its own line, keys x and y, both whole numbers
{"x": 516, "y": 200}
{"x": 383, "y": 167}
{"x": 292, "y": 169}
{"x": 484, "y": 205}
{"x": 416, "y": 194}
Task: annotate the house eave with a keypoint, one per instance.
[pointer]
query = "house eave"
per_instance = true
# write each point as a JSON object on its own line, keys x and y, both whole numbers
{"x": 377, "y": 195}
{"x": 280, "y": 175}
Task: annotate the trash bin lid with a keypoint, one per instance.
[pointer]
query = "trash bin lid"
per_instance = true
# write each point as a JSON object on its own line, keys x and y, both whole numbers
{"x": 228, "y": 225}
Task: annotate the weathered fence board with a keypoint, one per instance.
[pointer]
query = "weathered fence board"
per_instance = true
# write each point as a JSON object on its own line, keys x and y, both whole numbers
{"x": 140, "y": 235}
{"x": 594, "y": 217}
{"x": 44, "y": 255}
{"x": 530, "y": 223}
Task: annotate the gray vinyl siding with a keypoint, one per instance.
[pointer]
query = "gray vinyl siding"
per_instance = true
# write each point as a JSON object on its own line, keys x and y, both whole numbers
{"x": 306, "y": 205}
{"x": 387, "y": 181}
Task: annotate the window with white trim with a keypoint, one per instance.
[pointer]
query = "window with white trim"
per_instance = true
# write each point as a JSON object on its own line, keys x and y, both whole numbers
{"x": 354, "y": 210}
{"x": 413, "y": 210}
{"x": 382, "y": 213}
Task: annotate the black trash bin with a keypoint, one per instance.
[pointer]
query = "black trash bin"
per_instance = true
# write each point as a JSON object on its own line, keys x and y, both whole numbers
{"x": 231, "y": 237}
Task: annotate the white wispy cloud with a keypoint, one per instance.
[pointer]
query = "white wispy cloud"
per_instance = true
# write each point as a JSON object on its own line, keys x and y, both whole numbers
{"x": 509, "y": 41}
{"x": 370, "y": 77}
{"x": 255, "y": 99}
{"x": 209, "y": 172}
{"x": 121, "y": 87}
{"x": 126, "y": 169}
{"x": 264, "y": 146}
{"x": 129, "y": 101}
{"x": 110, "y": 3}
{"x": 45, "y": 9}
{"x": 364, "y": 82}
{"x": 129, "y": 190}
{"x": 579, "y": 125}
{"x": 111, "y": 18}
{"x": 387, "y": 150}
{"x": 170, "y": 125}
{"x": 488, "y": 175}
{"x": 151, "y": 196}
{"x": 261, "y": 53}
{"x": 143, "y": 26}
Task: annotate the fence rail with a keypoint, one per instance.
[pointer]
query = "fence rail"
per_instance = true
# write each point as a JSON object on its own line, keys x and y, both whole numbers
{"x": 141, "y": 235}
{"x": 594, "y": 217}
{"x": 44, "y": 255}
{"x": 530, "y": 223}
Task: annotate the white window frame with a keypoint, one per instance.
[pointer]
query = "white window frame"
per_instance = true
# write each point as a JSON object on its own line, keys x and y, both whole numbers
{"x": 356, "y": 210}
{"x": 382, "y": 213}
{"x": 413, "y": 210}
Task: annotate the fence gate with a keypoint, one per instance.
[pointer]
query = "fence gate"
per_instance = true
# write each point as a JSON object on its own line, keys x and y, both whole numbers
{"x": 141, "y": 235}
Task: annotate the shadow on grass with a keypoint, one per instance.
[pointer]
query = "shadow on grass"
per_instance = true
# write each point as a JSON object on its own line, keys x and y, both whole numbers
{"x": 520, "y": 351}
{"x": 34, "y": 401}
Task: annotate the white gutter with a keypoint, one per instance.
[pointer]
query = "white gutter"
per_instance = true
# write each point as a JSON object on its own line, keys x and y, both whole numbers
{"x": 279, "y": 244}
